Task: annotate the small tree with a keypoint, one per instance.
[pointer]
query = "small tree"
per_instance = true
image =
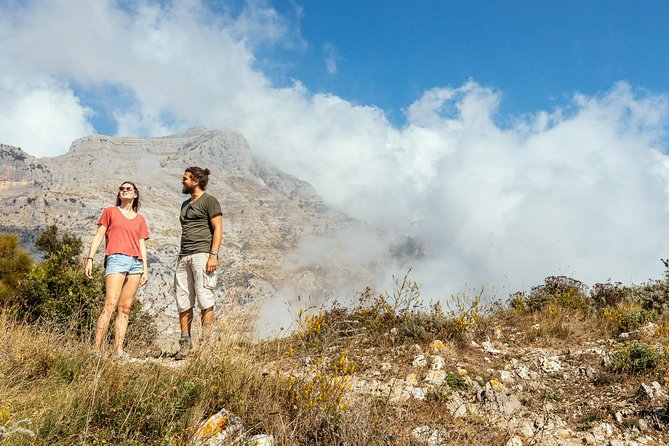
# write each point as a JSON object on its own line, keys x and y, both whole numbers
{"x": 59, "y": 250}
{"x": 57, "y": 290}
{"x": 15, "y": 264}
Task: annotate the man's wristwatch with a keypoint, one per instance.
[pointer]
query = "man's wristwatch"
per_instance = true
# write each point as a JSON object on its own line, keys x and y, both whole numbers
{"x": 213, "y": 253}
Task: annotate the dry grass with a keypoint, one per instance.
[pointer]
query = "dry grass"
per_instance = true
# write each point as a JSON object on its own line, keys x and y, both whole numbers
{"x": 297, "y": 388}
{"x": 73, "y": 397}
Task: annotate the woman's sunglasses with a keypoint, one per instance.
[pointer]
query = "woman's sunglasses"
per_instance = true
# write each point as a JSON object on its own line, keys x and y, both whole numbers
{"x": 125, "y": 188}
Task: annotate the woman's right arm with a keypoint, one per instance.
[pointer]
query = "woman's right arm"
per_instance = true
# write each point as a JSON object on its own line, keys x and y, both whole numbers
{"x": 95, "y": 244}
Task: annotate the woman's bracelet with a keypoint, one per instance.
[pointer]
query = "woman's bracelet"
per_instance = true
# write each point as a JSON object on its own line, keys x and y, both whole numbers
{"x": 89, "y": 258}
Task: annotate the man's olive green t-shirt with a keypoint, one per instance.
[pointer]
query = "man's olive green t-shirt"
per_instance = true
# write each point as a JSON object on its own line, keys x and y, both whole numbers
{"x": 196, "y": 229}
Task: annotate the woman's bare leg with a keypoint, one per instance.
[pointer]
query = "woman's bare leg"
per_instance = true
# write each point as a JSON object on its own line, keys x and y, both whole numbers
{"x": 113, "y": 286}
{"x": 124, "y": 306}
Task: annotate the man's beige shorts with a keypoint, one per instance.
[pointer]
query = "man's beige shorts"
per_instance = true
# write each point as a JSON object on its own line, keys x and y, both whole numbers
{"x": 189, "y": 283}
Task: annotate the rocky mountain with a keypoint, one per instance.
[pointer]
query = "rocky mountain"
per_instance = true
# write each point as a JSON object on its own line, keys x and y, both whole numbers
{"x": 266, "y": 212}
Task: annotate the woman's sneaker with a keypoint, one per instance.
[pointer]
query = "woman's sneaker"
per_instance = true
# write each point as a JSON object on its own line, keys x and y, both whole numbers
{"x": 185, "y": 348}
{"x": 123, "y": 357}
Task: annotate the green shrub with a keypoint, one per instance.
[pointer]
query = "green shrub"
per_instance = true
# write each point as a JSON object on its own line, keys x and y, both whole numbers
{"x": 636, "y": 358}
{"x": 58, "y": 292}
{"x": 561, "y": 291}
{"x": 456, "y": 381}
{"x": 518, "y": 302}
{"x": 15, "y": 264}
{"x": 399, "y": 311}
{"x": 67, "y": 297}
{"x": 398, "y": 316}
{"x": 609, "y": 294}
{"x": 588, "y": 420}
{"x": 654, "y": 296}
{"x": 59, "y": 249}
{"x": 636, "y": 319}
{"x": 421, "y": 327}
{"x": 443, "y": 392}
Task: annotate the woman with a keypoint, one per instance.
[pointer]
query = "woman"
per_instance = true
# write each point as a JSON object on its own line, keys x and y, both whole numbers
{"x": 126, "y": 269}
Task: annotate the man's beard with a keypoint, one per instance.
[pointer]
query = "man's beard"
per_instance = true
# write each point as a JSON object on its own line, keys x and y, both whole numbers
{"x": 187, "y": 189}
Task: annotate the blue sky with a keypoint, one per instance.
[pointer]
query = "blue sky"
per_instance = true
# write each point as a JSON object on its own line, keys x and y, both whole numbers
{"x": 515, "y": 139}
{"x": 536, "y": 53}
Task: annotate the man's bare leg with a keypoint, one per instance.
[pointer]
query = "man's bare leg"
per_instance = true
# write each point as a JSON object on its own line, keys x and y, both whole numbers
{"x": 207, "y": 318}
{"x": 185, "y": 344}
{"x": 185, "y": 321}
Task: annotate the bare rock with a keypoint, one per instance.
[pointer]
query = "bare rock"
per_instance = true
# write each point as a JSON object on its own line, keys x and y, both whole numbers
{"x": 550, "y": 364}
{"x": 437, "y": 362}
{"x": 652, "y": 392}
{"x": 496, "y": 398}
{"x": 457, "y": 407}
{"x": 435, "y": 378}
{"x": 419, "y": 361}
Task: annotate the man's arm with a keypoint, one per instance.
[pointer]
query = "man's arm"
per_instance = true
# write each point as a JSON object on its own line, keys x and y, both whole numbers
{"x": 217, "y": 224}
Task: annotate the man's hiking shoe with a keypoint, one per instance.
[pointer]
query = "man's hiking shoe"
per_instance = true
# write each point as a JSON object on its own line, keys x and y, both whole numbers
{"x": 185, "y": 348}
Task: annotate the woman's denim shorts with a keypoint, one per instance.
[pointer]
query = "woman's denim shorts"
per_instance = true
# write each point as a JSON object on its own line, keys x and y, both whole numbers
{"x": 121, "y": 263}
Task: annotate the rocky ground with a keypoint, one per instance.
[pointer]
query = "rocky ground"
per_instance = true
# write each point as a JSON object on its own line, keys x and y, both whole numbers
{"x": 533, "y": 395}
{"x": 501, "y": 390}
{"x": 522, "y": 394}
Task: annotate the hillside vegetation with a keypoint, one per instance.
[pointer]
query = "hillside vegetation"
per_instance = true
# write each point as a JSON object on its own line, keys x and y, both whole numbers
{"x": 559, "y": 364}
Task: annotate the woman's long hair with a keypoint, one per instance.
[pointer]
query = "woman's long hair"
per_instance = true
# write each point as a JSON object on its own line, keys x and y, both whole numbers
{"x": 135, "y": 202}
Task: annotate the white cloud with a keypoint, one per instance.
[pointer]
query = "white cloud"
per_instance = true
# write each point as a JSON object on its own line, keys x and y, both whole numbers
{"x": 331, "y": 57}
{"x": 43, "y": 117}
{"x": 259, "y": 24}
{"x": 581, "y": 192}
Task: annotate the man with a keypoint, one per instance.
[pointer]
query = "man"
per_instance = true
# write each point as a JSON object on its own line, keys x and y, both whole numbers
{"x": 201, "y": 233}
